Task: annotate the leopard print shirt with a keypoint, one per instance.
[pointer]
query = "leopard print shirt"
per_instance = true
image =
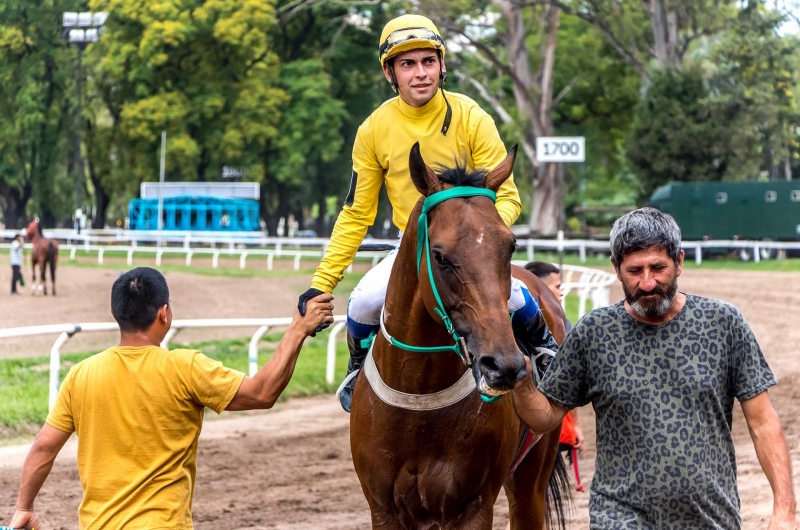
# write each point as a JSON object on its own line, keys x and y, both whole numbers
{"x": 663, "y": 398}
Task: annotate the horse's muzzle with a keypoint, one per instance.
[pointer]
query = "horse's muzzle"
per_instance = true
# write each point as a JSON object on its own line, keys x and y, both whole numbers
{"x": 497, "y": 374}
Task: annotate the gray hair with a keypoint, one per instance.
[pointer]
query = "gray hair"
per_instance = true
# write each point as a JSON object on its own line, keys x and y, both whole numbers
{"x": 644, "y": 228}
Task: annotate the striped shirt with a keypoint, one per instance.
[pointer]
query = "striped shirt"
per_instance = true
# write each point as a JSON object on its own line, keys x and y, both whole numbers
{"x": 16, "y": 253}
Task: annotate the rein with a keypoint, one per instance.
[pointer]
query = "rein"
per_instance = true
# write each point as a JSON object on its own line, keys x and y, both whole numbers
{"x": 459, "y": 346}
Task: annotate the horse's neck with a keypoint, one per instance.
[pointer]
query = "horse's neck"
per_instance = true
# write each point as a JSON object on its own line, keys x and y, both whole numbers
{"x": 408, "y": 321}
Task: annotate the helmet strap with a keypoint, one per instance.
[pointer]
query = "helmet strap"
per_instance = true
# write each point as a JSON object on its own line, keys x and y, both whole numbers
{"x": 394, "y": 80}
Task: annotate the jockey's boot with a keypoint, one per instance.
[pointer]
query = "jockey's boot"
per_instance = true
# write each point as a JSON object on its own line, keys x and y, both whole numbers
{"x": 358, "y": 352}
{"x": 535, "y": 340}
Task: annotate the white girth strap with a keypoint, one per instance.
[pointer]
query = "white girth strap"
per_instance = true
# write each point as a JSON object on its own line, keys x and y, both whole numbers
{"x": 439, "y": 400}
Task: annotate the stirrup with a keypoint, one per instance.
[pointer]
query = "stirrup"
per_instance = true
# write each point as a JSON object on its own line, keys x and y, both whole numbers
{"x": 352, "y": 375}
{"x": 543, "y": 357}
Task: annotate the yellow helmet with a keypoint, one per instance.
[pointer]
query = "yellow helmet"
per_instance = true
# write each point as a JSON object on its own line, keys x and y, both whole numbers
{"x": 409, "y": 32}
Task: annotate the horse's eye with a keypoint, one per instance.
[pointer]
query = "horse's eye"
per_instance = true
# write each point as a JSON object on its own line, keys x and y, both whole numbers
{"x": 439, "y": 258}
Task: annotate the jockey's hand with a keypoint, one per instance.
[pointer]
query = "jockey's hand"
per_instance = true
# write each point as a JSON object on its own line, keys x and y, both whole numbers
{"x": 316, "y": 308}
{"x": 26, "y": 519}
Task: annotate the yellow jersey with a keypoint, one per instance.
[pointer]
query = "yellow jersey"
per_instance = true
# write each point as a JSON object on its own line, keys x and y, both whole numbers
{"x": 138, "y": 412}
{"x": 380, "y": 156}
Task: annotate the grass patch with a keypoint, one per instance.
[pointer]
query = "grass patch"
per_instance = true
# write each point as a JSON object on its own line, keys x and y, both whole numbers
{"x": 24, "y": 382}
{"x": 572, "y": 306}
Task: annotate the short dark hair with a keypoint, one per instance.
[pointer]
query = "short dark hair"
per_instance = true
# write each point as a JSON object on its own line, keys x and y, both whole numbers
{"x": 136, "y": 297}
{"x": 642, "y": 229}
{"x": 542, "y": 269}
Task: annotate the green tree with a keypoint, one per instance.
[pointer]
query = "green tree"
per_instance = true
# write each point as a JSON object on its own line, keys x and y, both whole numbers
{"x": 34, "y": 64}
{"x": 675, "y": 136}
{"x": 331, "y": 76}
{"x": 201, "y": 70}
{"x": 756, "y": 73}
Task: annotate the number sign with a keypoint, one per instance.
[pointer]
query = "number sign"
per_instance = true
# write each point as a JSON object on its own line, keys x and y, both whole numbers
{"x": 561, "y": 149}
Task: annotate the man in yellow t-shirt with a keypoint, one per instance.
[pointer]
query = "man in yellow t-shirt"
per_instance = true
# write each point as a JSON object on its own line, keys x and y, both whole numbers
{"x": 450, "y": 128}
{"x": 138, "y": 409}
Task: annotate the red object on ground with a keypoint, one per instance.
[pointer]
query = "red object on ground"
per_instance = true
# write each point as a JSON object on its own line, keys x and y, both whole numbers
{"x": 577, "y": 471}
{"x": 570, "y": 438}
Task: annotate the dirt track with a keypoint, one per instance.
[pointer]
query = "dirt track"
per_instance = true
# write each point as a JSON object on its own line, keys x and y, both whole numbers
{"x": 291, "y": 468}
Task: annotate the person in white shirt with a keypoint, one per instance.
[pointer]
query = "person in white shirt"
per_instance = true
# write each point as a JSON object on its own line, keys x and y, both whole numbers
{"x": 16, "y": 263}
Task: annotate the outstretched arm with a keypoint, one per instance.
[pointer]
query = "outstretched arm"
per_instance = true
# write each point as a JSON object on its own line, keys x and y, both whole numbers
{"x": 37, "y": 467}
{"x": 264, "y": 389}
{"x": 533, "y": 408}
{"x": 773, "y": 455}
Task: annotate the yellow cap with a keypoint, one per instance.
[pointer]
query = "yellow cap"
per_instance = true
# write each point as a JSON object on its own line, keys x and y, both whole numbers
{"x": 409, "y": 32}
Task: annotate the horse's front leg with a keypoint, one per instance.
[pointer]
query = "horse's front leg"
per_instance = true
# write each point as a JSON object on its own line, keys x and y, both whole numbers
{"x": 43, "y": 270}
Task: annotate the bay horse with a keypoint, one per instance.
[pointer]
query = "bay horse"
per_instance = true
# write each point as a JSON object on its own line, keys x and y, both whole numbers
{"x": 45, "y": 251}
{"x": 431, "y": 445}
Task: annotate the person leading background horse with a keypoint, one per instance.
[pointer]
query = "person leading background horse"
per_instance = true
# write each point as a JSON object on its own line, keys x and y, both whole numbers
{"x": 45, "y": 251}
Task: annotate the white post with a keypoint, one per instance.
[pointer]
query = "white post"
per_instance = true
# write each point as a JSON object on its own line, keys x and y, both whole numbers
{"x": 331, "y": 364}
{"x": 756, "y": 254}
{"x": 170, "y": 334}
{"x": 698, "y": 254}
{"x": 243, "y": 260}
{"x": 161, "y": 185}
{"x": 130, "y": 257}
{"x": 297, "y": 262}
{"x": 100, "y": 255}
{"x": 252, "y": 350}
{"x": 582, "y": 253}
{"x": 189, "y": 258}
{"x": 269, "y": 262}
{"x": 72, "y": 253}
{"x": 529, "y": 246}
{"x": 215, "y": 260}
{"x": 158, "y": 256}
{"x": 55, "y": 368}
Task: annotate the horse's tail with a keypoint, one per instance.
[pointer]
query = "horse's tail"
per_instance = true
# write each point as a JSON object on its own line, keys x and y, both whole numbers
{"x": 559, "y": 494}
{"x": 52, "y": 257}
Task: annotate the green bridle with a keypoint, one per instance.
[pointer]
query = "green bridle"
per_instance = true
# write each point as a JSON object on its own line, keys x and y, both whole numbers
{"x": 424, "y": 246}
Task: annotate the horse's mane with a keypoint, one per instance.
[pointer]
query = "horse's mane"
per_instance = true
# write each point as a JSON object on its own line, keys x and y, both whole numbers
{"x": 459, "y": 176}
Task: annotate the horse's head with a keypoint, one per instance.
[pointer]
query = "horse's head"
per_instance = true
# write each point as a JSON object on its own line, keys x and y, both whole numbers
{"x": 470, "y": 261}
{"x": 33, "y": 229}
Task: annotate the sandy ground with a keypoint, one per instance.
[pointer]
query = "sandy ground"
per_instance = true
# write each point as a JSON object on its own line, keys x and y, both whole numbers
{"x": 291, "y": 467}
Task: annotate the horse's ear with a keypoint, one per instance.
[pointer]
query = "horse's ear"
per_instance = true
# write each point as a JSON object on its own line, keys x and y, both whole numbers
{"x": 499, "y": 174}
{"x": 423, "y": 177}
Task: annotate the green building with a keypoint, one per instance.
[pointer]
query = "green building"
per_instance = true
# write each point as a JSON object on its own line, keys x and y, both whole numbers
{"x": 733, "y": 210}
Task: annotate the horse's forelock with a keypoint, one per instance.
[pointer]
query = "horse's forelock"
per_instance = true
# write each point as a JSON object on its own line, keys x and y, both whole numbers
{"x": 459, "y": 176}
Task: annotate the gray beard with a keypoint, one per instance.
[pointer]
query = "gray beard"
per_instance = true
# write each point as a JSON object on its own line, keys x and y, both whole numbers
{"x": 659, "y": 308}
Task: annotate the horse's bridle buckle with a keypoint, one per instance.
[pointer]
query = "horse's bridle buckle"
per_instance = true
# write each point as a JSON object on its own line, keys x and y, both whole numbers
{"x": 466, "y": 356}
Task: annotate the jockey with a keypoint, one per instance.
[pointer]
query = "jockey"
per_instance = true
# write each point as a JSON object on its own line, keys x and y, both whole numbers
{"x": 449, "y": 127}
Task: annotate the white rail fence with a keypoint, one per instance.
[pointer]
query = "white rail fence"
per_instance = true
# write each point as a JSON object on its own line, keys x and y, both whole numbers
{"x": 66, "y": 331}
{"x": 591, "y": 285}
{"x": 256, "y": 243}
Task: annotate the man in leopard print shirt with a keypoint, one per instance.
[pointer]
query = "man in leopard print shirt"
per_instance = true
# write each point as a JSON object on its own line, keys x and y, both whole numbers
{"x": 662, "y": 369}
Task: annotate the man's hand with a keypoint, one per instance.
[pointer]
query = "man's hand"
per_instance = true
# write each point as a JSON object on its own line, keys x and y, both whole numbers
{"x": 302, "y": 307}
{"x": 783, "y": 522}
{"x": 316, "y": 313}
{"x": 26, "y": 519}
{"x": 578, "y": 438}
{"x": 535, "y": 410}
